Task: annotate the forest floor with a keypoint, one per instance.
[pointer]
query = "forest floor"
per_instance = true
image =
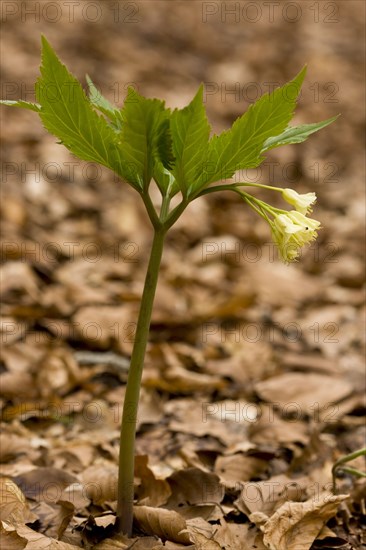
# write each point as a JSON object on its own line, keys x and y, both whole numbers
{"x": 254, "y": 383}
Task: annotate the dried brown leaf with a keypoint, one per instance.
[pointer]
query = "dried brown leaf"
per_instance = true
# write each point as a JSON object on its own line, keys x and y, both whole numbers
{"x": 54, "y": 518}
{"x": 100, "y": 482}
{"x": 18, "y": 385}
{"x": 295, "y": 525}
{"x": 37, "y": 541}
{"x": 166, "y": 524}
{"x": 224, "y": 420}
{"x": 194, "y": 486}
{"x": 232, "y": 536}
{"x": 152, "y": 491}
{"x": 14, "y": 508}
{"x": 121, "y": 542}
{"x": 44, "y": 483}
{"x": 201, "y": 542}
{"x": 58, "y": 373}
{"x": 11, "y": 330}
{"x": 271, "y": 429}
{"x": 239, "y": 467}
{"x": 18, "y": 276}
{"x": 299, "y": 393}
{"x": 10, "y": 540}
{"x": 111, "y": 324}
{"x": 12, "y": 446}
{"x": 266, "y": 496}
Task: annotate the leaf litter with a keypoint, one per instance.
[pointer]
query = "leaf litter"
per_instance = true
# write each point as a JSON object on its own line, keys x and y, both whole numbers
{"x": 253, "y": 384}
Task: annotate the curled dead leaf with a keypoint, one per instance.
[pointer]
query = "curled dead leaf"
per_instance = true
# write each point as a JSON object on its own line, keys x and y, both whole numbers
{"x": 295, "y": 525}
{"x": 100, "y": 483}
{"x": 37, "y": 541}
{"x": 166, "y": 524}
{"x": 11, "y": 540}
{"x": 266, "y": 496}
{"x": 14, "y": 508}
{"x": 152, "y": 491}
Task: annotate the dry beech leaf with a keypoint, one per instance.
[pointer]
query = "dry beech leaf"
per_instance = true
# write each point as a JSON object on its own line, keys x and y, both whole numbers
{"x": 270, "y": 428}
{"x": 166, "y": 524}
{"x": 108, "y": 322}
{"x": 121, "y": 542}
{"x": 100, "y": 483}
{"x": 19, "y": 276}
{"x": 298, "y": 392}
{"x": 14, "y": 508}
{"x": 105, "y": 521}
{"x": 57, "y": 373}
{"x": 239, "y": 467}
{"x": 44, "y": 483}
{"x": 224, "y": 420}
{"x": 12, "y": 446}
{"x": 291, "y": 285}
{"x": 177, "y": 379}
{"x": 175, "y": 546}
{"x": 152, "y": 491}
{"x": 18, "y": 385}
{"x": 75, "y": 495}
{"x": 201, "y": 533}
{"x": 232, "y": 536}
{"x": 296, "y": 525}
{"x": 266, "y": 496}
{"x": 54, "y": 518}
{"x": 78, "y": 455}
{"x": 194, "y": 486}
{"x": 37, "y": 541}
{"x": 10, "y": 540}
{"x": 201, "y": 542}
{"x": 11, "y": 330}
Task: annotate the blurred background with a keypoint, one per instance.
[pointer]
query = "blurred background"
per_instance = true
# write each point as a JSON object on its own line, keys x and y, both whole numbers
{"x": 76, "y": 240}
{"x": 240, "y": 50}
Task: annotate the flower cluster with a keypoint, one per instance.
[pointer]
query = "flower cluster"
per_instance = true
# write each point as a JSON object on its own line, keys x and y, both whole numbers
{"x": 290, "y": 230}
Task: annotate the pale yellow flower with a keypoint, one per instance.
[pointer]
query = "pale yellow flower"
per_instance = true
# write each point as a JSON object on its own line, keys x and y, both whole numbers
{"x": 302, "y": 203}
{"x": 291, "y": 231}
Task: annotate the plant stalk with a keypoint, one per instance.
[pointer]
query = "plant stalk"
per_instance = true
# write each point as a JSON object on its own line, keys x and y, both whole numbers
{"x": 130, "y": 406}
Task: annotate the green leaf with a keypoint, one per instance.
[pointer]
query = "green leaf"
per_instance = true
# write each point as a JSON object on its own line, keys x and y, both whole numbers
{"x": 164, "y": 161}
{"x": 23, "y": 104}
{"x": 241, "y": 146}
{"x": 164, "y": 179}
{"x": 67, "y": 113}
{"x": 296, "y": 134}
{"x": 103, "y": 105}
{"x": 141, "y": 135}
{"x": 190, "y": 132}
{"x": 165, "y": 144}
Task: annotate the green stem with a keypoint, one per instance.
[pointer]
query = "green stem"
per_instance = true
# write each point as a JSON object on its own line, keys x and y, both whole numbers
{"x": 176, "y": 212}
{"x": 338, "y": 465}
{"x": 164, "y": 208}
{"x": 232, "y": 186}
{"x": 151, "y": 210}
{"x": 130, "y": 406}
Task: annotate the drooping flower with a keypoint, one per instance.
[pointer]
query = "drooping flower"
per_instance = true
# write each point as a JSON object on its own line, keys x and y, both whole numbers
{"x": 291, "y": 231}
{"x": 302, "y": 203}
